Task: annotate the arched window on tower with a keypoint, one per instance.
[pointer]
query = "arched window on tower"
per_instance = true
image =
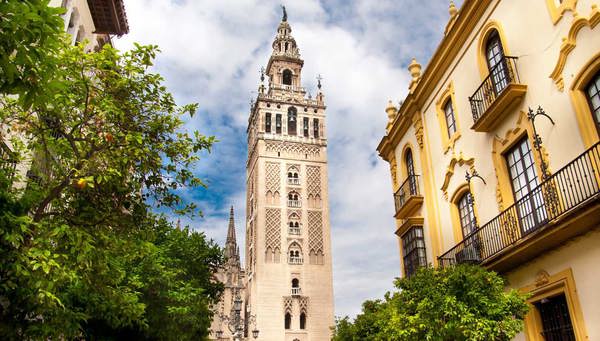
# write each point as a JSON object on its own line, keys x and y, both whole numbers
{"x": 288, "y": 320}
{"x": 294, "y": 199}
{"x": 287, "y": 77}
{"x": 296, "y": 287}
{"x": 292, "y": 119}
{"x": 294, "y": 224}
{"x": 302, "y": 320}
{"x": 292, "y": 176}
{"x": 295, "y": 254}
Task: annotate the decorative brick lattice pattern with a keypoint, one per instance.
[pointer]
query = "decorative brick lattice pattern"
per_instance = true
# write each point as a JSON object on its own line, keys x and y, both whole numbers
{"x": 287, "y": 304}
{"x": 273, "y": 230}
{"x": 315, "y": 232}
{"x": 292, "y": 148}
{"x": 303, "y": 303}
{"x": 313, "y": 177}
{"x": 273, "y": 177}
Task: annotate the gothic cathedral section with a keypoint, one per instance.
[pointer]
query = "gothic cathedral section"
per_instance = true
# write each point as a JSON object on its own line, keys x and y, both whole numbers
{"x": 288, "y": 244}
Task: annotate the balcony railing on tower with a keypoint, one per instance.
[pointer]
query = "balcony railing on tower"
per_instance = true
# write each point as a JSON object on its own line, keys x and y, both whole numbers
{"x": 500, "y": 90}
{"x": 296, "y": 291}
{"x": 408, "y": 197}
{"x": 295, "y": 260}
{"x": 294, "y": 203}
{"x": 540, "y": 214}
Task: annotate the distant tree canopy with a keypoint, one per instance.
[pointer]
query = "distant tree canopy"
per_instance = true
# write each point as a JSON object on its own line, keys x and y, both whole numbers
{"x": 81, "y": 253}
{"x": 458, "y": 303}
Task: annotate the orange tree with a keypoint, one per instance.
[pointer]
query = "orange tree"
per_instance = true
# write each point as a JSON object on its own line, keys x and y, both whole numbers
{"x": 464, "y": 302}
{"x": 81, "y": 254}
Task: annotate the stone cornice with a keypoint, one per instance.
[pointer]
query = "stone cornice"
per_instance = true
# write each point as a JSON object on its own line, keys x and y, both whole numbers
{"x": 447, "y": 50}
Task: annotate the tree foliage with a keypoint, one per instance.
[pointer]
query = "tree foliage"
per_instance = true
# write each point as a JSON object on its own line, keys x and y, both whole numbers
{"x": 81, "y": 253}
{"x": 458, "y": 303}
{"x": 29, "y": 41}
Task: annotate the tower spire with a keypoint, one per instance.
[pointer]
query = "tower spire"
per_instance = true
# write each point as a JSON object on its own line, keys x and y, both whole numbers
{"x": 231, "y": 248}
{"x": 231, "y": 228}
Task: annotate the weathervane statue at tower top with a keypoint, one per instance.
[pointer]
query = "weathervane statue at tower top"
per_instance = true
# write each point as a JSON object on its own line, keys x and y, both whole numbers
{"x": 284, "y": 13}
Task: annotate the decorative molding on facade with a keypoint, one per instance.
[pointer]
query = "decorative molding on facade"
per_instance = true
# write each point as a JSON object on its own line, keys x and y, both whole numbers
{"x": 569, "y": 43}
{"x": 394, "y": 172}
{"x": 293, "y": 148}
{"x": 460, "y": 160}
{"x": 558, "y": 10}
{"x": 499, "y": 195}
{"x": 291, "y": 212}
{"x": 418, "y": 125}
{"x": 541, "y": 278}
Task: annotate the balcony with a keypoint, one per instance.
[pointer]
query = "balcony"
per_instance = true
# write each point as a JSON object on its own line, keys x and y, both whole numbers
{"x": 293, "y": 181}
{"x": 296, "y": 292}
{"x": 499, "y": 92}
{"x": 563, "y": 206}
{"x": 408, "y": 198}
{"x": 294, "y": 203}
{"x": 285, "y": 87}
{"x": 294, "y": 231}
{"x": 295, "y": 260}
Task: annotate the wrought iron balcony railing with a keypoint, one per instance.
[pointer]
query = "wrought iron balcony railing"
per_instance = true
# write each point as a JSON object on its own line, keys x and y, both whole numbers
{"x": 403, "y": 198}
{"x": 293, "y": 181}
{"x": 294, "y": 231}
{"x": 296, "y": 292}
{"x": 499, "y": 90}
{"x": 571, "y": 187}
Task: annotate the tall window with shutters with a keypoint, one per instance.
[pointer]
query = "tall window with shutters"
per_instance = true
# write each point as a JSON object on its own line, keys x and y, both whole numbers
{"x": 413, "y": 250}
{"x": 524, "y": 181}
{"x": 494, "y": 53}
{"x": 466, "y": 214}
{"x": 450, "y": 120}
{"x": 593, "y": 96}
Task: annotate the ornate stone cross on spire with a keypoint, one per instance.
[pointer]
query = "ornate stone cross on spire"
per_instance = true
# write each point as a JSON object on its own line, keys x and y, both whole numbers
{"x": 284, "y": 13}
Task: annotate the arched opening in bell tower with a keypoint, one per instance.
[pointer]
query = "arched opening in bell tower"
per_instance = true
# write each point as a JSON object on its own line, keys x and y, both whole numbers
{"x": 287, "y": 77}
{"x": 292, "y": 118}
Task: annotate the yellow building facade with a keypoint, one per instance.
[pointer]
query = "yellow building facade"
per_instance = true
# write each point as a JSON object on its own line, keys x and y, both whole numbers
{"x": 495, "y": 158}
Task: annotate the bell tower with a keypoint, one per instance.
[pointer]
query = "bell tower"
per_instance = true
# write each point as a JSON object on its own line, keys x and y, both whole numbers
{"x": 288, "y": 243}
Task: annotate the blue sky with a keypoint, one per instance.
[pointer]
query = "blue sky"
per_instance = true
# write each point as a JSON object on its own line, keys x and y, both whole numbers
{"x": 212, "y": 51}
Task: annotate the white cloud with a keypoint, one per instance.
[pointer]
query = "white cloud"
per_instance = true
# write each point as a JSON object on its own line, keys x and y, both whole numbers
{"x": 212, "y": 51}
